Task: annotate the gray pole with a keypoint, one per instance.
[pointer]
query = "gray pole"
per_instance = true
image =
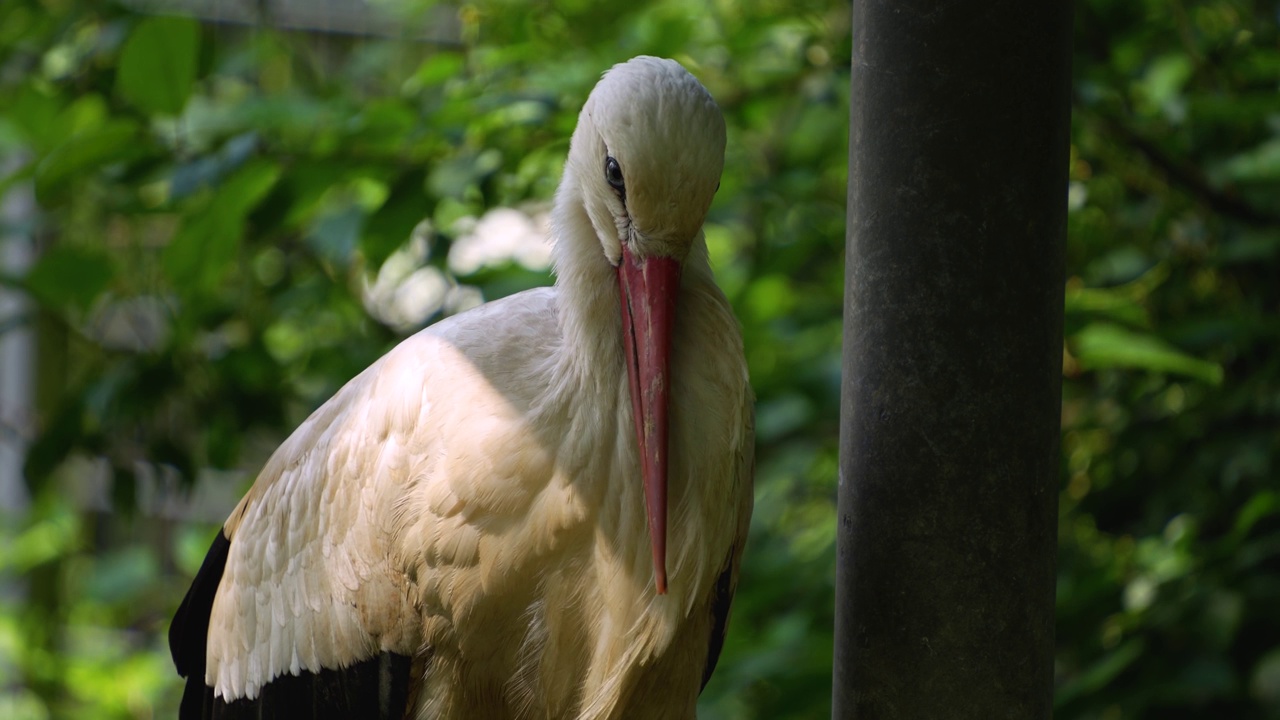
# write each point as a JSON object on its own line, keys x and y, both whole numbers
{"x": 952, "y": 359}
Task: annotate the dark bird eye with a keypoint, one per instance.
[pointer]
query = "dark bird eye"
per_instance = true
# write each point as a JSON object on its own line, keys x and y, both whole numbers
{"x": 613, "y": 174}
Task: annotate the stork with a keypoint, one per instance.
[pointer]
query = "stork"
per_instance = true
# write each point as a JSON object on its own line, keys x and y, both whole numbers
{"x": 476, "y": 526}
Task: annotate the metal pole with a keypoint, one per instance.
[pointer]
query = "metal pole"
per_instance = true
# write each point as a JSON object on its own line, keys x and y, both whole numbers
{"x": 952, "y": 359}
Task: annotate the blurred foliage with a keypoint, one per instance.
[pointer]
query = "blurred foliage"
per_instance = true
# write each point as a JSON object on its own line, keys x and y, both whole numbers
{"x": 215, "y": 201}
{"x": 1170, "y": 522}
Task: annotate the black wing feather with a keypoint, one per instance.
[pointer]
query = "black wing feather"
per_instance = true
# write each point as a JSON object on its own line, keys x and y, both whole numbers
{"x": 373, "y": 688}
{"x": 189, "y": 632}
{"x": 377, "y": 687}
{"x": 720, "y": 618}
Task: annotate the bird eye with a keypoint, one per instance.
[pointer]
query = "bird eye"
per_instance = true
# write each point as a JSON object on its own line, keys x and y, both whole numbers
{"x": 613, "y": 174}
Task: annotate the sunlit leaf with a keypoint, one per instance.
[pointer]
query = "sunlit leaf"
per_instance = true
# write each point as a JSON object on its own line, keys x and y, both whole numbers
{"x": 44, "y": 540}
{"x": 1101, "y": 345}
{"x": 1259, "y": 506}
{"x": 1164, "y": 80}
{"x": 1258, "y": 164}
{"x": 1083, "y": 304}
{"x": 435, "y": 70}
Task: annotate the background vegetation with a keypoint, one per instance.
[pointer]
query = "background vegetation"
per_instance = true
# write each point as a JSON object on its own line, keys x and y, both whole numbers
{"x": 232, "y": 220}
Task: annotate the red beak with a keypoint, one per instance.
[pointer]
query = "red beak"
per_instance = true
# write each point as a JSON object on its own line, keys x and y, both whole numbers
{"x": 648, "y": 288}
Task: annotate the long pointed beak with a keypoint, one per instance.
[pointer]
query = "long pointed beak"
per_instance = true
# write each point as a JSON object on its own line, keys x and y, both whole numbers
{"x": 649, "y": 289}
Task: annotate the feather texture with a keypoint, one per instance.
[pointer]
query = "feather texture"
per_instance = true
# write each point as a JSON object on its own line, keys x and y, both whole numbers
{"x": 460, "y": 531}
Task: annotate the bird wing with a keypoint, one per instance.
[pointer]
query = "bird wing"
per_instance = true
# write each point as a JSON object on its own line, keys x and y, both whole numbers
{"x": 306, "y": 600}
{"x": 297, "y": 583}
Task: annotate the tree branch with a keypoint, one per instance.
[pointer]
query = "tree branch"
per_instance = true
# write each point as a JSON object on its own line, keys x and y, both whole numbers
{"x": 1187, "y": 177}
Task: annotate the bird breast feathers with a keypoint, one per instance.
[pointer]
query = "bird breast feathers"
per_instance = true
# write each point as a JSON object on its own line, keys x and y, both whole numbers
{"x": 423, "y": 488}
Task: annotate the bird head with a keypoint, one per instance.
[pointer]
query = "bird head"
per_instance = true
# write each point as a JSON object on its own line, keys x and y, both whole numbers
{"x": 647, "y": 156}
{"x": 648, "y": 153}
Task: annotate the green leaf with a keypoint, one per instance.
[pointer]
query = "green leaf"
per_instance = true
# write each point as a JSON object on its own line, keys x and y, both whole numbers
{"x": 206, "y": 245}
{"x": 1250, "y": 246}
{"x": 63, "y": 432}
{"x": 1084, "y": 303}
{"x": 770, "y": 297}
{"x": 1100, "y": 673}
{"x": 1165, "y": 78}
{"x": 1259, "y": 164}
{"x": 1258, "y": 507}
{"x": 392, "y": 224}
{"x": 114, "y": 141}
{"x": 158, "y": 64}
{"x": 69, "y": 277}
{"x": 436, "y": 69}
{"x": 45, "y": 539}
{"x": 209, "y": 170}
{"x": 334, "y": 235}
{"x": 452, "y": 178}
{"x": 1102, "y": 345}
{"x": 1265, "y": 683}
{"x": 34, "y": 110}
{"x": 122, "y": 576}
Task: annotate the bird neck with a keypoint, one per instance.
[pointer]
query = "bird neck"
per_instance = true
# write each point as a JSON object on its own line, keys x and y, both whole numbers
{"x": 589, "y": 312}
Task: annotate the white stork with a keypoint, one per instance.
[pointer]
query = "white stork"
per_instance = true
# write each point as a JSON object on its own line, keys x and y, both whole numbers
{"x": 476, "y": 525}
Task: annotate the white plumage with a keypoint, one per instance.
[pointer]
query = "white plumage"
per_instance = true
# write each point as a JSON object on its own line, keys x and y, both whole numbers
{"x": 461, "y": 531}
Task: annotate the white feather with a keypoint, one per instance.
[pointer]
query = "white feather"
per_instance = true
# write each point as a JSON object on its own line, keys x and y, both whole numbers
{"x": 476, "y": 495}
